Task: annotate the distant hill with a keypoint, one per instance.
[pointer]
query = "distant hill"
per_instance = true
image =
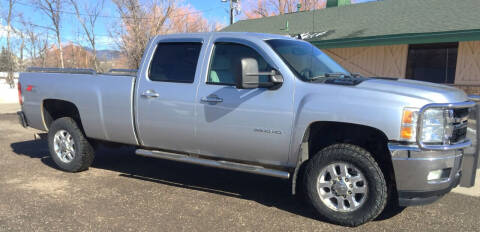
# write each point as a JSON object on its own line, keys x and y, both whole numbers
{"x": 106, "y": 54}
{"x": 76, "y": 56}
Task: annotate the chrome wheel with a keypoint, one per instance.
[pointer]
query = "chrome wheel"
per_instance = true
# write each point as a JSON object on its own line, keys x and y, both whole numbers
{"x": 342, "y": 187}
{"x": 64, "y": 146}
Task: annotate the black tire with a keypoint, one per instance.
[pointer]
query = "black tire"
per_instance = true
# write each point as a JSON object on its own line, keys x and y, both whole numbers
{"x": 377, "y": 194}
{"x": 392, "y": 208}
{"x": 84, "y": 152}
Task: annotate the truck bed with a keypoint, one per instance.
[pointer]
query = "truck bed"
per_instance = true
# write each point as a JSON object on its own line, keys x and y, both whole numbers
{"x": 105, "y": 102}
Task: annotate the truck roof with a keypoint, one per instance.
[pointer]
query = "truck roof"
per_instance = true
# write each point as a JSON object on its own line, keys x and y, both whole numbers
{"x": 262, "y": 36}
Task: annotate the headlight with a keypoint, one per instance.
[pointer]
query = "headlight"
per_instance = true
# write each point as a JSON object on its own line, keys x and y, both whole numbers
{"x": 433, "y": 126}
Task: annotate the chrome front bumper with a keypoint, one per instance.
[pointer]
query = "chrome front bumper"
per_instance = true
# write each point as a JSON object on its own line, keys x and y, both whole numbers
{"x": 412, "y": 166}
{"x": 417, "y": 166}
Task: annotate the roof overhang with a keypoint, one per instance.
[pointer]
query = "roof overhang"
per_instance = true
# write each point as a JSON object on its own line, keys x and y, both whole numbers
{"x": 412, "y": 38}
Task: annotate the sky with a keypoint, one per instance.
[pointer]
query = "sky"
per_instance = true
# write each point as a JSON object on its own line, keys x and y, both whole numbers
{"x": 213, "y": 10}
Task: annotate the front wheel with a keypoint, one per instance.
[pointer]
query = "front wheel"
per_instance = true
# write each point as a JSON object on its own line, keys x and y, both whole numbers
{"x": 69, "y": 148}
{"x": 345, "y": 185}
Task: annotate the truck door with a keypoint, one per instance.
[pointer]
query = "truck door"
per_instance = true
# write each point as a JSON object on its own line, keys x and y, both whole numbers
{"x": 242, "y": 124}
{"x": 165, "y": 95}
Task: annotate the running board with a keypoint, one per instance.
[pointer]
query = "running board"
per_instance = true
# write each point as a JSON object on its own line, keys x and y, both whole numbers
{"x": 214, "y": 163}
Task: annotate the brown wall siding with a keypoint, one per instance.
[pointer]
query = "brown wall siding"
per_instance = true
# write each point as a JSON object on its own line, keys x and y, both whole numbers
{"x": 391, "y": 61}
{"x": 468, "y": 63}
{"x": 383, "y": 61}
{"x": 469, "y": 89}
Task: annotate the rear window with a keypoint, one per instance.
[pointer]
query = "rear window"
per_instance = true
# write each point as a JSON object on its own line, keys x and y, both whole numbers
{"x": 175, "y": 62}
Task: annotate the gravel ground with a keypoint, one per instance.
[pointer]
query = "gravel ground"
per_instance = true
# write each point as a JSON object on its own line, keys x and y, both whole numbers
{"x": 124, "y": 192}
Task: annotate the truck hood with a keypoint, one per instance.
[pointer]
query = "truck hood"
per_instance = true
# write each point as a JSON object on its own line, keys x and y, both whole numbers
{"x": 437, "y": 93}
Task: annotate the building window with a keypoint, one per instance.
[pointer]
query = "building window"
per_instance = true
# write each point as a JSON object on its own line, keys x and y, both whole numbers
{"x": 432, "y": 62}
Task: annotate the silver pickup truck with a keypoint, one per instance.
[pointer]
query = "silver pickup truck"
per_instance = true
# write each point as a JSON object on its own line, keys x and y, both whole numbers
{"x": 264, "y": 104}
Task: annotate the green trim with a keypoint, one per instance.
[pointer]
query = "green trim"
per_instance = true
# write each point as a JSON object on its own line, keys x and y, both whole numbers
{"x": 337, "y": 3}
{"x": 332, "y": 3}
{"x": 344, "y": 2}
{"x": 413, "y": 38}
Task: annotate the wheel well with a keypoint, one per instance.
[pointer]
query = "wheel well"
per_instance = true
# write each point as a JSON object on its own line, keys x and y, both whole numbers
{"x": 54, "y": 109}
{"x": 322, "y": 134}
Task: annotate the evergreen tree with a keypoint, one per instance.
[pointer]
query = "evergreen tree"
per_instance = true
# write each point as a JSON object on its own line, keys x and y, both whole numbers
{"x": 5, "y": 63}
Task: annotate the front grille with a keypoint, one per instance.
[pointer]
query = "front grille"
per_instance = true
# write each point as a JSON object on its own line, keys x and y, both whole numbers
{"x": 459, "y": 123}
{"x": 459, "y": 134}
{"x": 461, "y": 113}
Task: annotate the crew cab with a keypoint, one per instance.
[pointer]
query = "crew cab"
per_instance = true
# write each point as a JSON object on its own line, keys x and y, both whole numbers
{"x": 265, "y": 104}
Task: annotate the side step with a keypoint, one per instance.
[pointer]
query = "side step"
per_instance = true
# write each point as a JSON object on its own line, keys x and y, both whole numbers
{"x": 214, "y": 163}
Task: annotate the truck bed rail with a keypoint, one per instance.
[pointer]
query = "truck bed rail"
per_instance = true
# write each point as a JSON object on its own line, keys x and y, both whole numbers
{"x": 121, "y": 72}
{"x": 62, "y": 70}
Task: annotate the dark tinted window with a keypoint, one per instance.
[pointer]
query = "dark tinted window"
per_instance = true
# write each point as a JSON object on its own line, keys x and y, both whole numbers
{"x": 175, "y": 62}
{"x": 432, "y": 62}
{"x": 225, "y": 64}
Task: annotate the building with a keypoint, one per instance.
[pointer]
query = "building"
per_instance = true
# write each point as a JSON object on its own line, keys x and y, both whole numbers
{"x": 430, "y": 40}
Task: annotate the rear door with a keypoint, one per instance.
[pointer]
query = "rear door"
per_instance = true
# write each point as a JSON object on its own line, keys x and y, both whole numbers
{"x": 165, "y": 96}
{"x": 242, "y": 124}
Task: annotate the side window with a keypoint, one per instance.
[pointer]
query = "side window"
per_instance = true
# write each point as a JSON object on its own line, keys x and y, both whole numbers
{"x": 225, "y": 63}
{"x": 175, "y": 62}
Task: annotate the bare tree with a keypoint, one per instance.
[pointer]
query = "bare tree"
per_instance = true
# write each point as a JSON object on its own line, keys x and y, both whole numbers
{"x": 36, "y": 42}
{"x": 140, "y": 23}
{"x": 187, "y": 19}
{"x": 21, "y": 49}
{"x": 130, "y": 37}
{"x": 52, "y": 8}
{"x": 10, "y": 61}
{"x": 32, "y": 42}
{"x": 265, "y": 8}
{"x": 20, "y": 33}
{"x": 88, "y": 21}
{"x": 43, "y": 50}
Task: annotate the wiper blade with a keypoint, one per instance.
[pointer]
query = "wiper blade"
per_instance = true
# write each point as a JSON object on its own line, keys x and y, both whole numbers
{"x": 358, "y": 75}
{"x": 336, "y": 74}
{"x": 333, "y": 74}
{"x": 316, "y": 78}
{"x": 327, "y": 75}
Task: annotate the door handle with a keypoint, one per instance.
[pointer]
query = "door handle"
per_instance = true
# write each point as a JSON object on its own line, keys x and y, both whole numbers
{"x": 211, "y": 99}
{"x": 150, "y": 94}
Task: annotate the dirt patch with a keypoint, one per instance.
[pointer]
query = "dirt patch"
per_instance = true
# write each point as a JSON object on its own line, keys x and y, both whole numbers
{"x": 42, "y": 185}
{"x": 94, "y": 172}
{"x": 13, "y": 181}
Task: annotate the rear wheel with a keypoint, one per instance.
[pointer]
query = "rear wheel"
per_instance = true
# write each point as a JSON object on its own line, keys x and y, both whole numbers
{"x": 345, "y": 185}
{"x": 69, "y": 148}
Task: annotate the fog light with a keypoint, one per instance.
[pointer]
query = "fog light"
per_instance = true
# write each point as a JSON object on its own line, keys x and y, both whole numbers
{"x": 439, "y": 174}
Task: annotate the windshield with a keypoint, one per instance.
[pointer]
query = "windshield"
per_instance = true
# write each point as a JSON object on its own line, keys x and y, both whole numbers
{"x": 306, "y": 60}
